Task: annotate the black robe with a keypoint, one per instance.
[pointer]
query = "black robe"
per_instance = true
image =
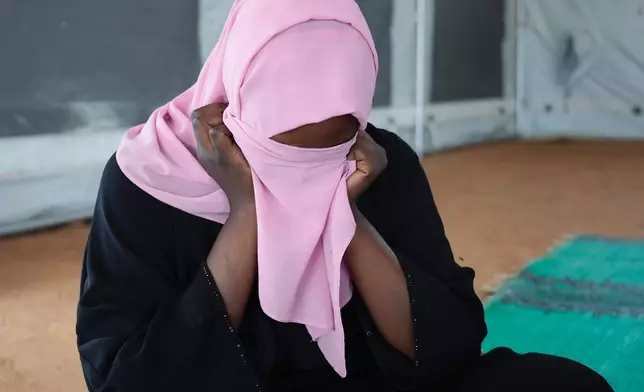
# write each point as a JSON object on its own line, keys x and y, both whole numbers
{"x": 150, "y": 317}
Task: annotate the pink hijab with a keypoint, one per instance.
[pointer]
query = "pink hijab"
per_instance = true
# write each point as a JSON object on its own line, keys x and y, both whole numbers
{"x": 280, "y": 64}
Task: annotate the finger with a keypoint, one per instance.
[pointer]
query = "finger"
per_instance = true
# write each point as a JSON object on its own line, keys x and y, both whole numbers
{"x": 365, "y": 139}
{"x": 212, "y": 114}
{"x": 194, "y": 116}
{"x": 229, "y": 152}
{"x": 354, "y": 152}
{"x": 369, "y": 148}
{"x": 357, "y": 152}
{"x": 351, "y": 156}
{"x": 221, "y": 139}
{"x": 226, "y": 132}
{"x": 201, "y": 133}
{"x": 238, "y": 156}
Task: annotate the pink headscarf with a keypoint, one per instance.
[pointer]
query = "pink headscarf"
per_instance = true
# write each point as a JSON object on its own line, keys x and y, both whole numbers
{"x": 280, "y": 64}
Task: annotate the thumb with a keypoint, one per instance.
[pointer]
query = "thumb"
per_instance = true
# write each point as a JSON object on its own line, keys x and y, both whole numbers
{"x": 225, "y": 143}
{"x": 354, "y": 185}
{"x": 351, "y": 156}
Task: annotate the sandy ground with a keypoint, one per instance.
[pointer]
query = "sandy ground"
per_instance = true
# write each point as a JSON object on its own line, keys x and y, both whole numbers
{"x": 502, "y": 204}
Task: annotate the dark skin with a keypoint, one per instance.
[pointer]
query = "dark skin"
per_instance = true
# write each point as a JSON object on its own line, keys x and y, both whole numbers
{"x": 373, "y": 266}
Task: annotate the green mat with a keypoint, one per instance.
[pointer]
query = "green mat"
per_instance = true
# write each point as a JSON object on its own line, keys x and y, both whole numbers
{"x": 584, "y": 301}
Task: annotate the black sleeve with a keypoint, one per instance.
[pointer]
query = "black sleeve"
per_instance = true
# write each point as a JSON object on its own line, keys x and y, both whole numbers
{"x": 138, "y": 327}
{"x": 449, "y": 325}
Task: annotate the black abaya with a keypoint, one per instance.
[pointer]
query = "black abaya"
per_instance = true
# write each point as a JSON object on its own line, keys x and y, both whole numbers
{"x": 150, "y": 317}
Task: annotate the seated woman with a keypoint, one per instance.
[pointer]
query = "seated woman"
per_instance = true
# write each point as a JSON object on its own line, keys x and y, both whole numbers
{"x": 276, "y": 241}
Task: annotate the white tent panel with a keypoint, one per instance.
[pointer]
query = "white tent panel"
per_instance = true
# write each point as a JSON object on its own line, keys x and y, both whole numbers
{"x": 580, "y": 68}
{"x": 449, "y": 125}
{"x": 50, "y": 179}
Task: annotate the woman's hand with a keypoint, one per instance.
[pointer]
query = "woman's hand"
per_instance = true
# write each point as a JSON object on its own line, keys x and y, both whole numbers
{"x": 221, "y": 157}
{"x": 233, "y": 257}
{"x": 369, "y": 258}
{"x": 371, "y": 160}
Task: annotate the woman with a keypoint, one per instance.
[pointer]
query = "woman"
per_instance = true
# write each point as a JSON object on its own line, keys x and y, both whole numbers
{"x": 285, "y": 245}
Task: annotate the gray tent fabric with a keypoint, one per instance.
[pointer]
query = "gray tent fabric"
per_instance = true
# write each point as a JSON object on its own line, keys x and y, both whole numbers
{"x": 72, "y": 64}
{"x": 76, "y": 75}
{"x": 467, "y": 56}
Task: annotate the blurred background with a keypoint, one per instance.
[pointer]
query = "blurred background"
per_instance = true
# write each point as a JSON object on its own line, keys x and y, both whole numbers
{"x": 528, "y": 115}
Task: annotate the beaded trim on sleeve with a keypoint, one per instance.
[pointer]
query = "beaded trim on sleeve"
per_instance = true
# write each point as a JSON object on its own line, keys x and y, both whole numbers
{"x": 217, "y": 295}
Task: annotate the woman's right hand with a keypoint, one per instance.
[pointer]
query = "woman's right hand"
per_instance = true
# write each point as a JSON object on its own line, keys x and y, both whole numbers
{"x": 221, "y": 157}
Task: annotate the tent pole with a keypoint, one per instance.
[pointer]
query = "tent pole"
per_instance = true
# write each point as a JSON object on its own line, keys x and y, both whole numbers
{"x": 421, "y": 73}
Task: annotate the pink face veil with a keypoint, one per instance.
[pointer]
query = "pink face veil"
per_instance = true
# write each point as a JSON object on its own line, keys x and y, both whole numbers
{"x": 280, "y": 64}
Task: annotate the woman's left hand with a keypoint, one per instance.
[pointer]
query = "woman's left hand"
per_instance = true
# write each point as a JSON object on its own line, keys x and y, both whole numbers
{"x": 371, "y": 160}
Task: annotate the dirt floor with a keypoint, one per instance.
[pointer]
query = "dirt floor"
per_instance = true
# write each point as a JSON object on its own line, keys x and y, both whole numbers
{"x": 502, "y": 204}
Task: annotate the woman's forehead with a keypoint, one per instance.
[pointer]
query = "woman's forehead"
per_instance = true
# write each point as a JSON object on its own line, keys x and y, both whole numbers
{"x": 327, "y": 133}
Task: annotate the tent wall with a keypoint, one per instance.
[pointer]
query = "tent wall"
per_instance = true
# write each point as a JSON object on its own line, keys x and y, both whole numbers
{"x": 75, "y": 75}
{"x": 78, "y": 66}
{"x": 580, "y": 68}
{"x": 453, "y": 72}
{"x": 461, "y": 54}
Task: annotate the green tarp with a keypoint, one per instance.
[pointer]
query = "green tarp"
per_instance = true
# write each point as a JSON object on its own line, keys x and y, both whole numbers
{"x": 584, "y": 301}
